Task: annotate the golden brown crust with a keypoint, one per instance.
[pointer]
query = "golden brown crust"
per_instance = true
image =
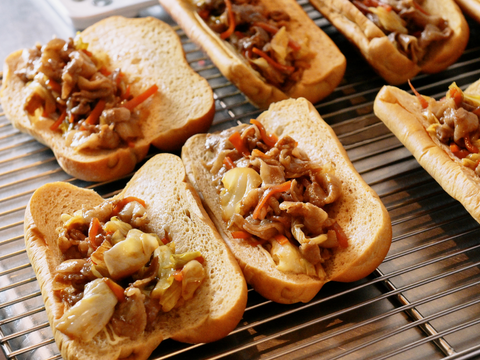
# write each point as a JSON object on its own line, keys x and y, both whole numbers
{"x": 168, "y": 118}
{"x": 401, "y": 113}
{"x": 471, "y": 8}
{"x": 171, "y": 202}
{"x": 325, "y": 73}
{"x": 381, "y": 53}
{"x": 359, "y": 211}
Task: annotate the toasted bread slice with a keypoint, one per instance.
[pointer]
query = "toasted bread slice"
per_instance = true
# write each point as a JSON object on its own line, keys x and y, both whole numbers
{"x": 318, "y": 81}
{"x": 148, "y": 52}
{"x": 359, "y": 211}
{"x": 402, "y": 114}
{"x": 379, "y": 51}
{"x": 172, "y": 204}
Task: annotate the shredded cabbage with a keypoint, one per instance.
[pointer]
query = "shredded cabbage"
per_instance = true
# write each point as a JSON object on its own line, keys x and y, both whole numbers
{"x": 91, "y": 314}
{"x": 288, "y": 259}
{"x": 131, "y": 254}
{"x": 237, "y": 182}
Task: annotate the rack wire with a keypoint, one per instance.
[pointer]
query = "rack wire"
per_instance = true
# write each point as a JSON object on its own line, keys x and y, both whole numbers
{"x": 421, "y": 303}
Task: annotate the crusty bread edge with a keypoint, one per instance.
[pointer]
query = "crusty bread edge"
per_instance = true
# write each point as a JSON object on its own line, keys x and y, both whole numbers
{"x": 401, "y": 113}
{"x": 318, "y": 81}
{"x": 381, "y": 53}
{"x": 273, "y": 284}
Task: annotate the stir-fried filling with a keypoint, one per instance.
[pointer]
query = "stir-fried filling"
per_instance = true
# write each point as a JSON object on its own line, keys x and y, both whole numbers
{"x": 274, "y": 197}
{"x": 115, "y": 276}
{"x": 260, "y": 36}
{"x": 408, "y": 26}
{"x": 90, "y": 105}
{"x": 454, "y": 121}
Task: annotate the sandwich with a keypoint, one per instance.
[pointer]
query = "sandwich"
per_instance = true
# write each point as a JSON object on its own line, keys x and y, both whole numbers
{"x": 118, "y": 276}
{"x": 289, "y": 203}
{"x": 100, "y": 100}
{"x": 271, "y": 50}
{"x": 443, "y": 135}
{"x": 399, "y": 39}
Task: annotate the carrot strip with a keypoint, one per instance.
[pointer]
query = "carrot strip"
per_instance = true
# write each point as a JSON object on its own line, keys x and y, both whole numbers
{"x": 258, "y": 153}
{"x": 237, "y": 142}
{"x": 200, "y": 259}
{"x": 229, "y": 164}
{"x": 117, "y": 289}
{"x": 231, "y": 21}
{"x": 269, "y": 139}
{"x": 281, "y": 239}
{"x": 126, "y": 94}
{"x": 456, "y": 95}
{"x": 341, "y": 237}
{"x": 460, "y": 153}
{"x": 121, "y": 204}
{"x": 375, "y": 3}
{"x": 294, "y": 45}
{"x": 470, "y": 147}
{"x": 165, "y": 241}
{"x": 240, "y": 234}
{"x": 53, "y": 85}
{"x": 103, "y": 70}
{"x": 272, "y": 62}
{"x": 178, "y": 275}
{"x": 267, "y": 27}
{"x": 92, "y": 119}
{"x": 88, "y": 53}
{"x": 59, "y": 121}
{"x": 268, "y": 193}
{"x": 421, "y": 99}
{"x": 119, "y": 78}
{"x": 137, "y": 100}
{"x": 93, "y": 231}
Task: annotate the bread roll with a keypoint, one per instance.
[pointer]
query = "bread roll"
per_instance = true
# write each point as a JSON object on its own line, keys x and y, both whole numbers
{"x": 380, "y": 52}
{"x": 172, "y": 205}
{"x": 402, "y": 114}
{"x": 359, "y": 211}
{"x": 148, "y": 52}
{"x": 325, "y": 70}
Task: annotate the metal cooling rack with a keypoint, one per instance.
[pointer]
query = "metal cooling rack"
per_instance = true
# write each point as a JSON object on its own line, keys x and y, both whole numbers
{"x": 421, "y": 303}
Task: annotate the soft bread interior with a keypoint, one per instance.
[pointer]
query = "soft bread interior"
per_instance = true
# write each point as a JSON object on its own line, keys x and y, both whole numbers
{"x": 359, "y": 211}
{"x": 218, "y": 304}
{"x": 149, "y": 52}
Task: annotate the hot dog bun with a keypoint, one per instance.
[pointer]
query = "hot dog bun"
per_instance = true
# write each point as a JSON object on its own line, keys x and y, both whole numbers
{"x": 319, "y": 80}
{"x": 402, "y": 114}
{"x": 379, "y": 51}
{"x": 218, "y": 304}
{"x": 359, "y": 211}
{"x": 471, "y": 8}
{"x": 148, "y": 52}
